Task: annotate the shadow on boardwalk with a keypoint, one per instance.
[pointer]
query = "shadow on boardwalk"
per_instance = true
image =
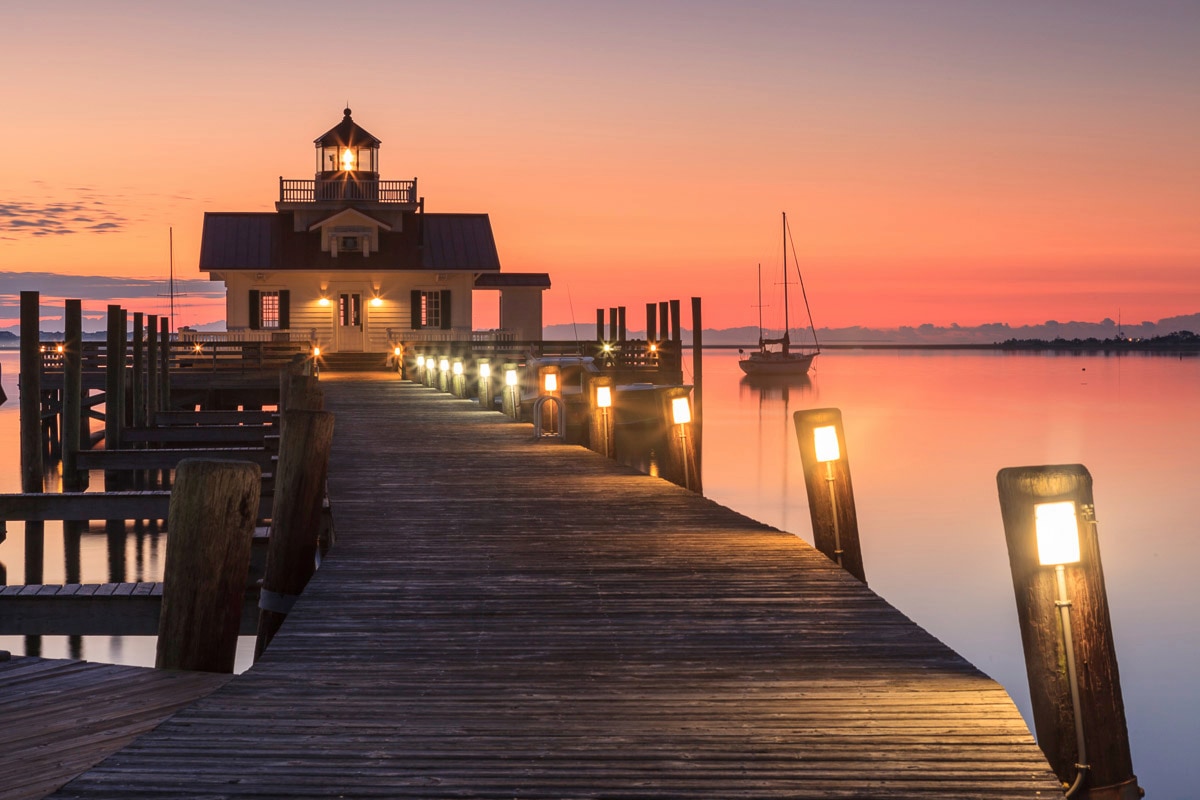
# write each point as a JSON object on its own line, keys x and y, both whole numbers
{"x": 507, "y": 618}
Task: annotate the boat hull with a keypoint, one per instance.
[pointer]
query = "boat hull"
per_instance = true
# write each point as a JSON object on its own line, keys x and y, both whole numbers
{"x": 777, "y": 363}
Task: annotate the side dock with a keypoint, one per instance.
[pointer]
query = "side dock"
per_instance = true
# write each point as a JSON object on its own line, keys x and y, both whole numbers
{"x": 506, "y": 617}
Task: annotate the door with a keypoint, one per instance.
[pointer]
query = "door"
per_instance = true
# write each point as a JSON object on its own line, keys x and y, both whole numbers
{"x": 349, "y": 323}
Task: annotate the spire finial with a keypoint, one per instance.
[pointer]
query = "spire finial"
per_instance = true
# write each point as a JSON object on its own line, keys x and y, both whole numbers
{"x": 346, "y": 110}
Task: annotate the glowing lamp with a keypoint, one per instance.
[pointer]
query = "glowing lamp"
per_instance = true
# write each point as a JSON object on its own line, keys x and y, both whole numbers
{"x": 376, "y": 301}
{"x": 607, "y": 347}
{"x": 510, "y": 377}
{"x": 551, "y": 382}
{"x": 458, "y": 368}
{"x": 348, "y": 160}
{"x": 58, "y": 348}
{"x": 316, "y": 351}
{"x": 485, "y": 370}
{"x": 420, "y": 362}
{"x": 653, "y": 347}
{"x": 603, "y": 397}
{"x": 444, "y": 364}
{"x": 396, "y": 351}
{"x": 681, "y": 410}
{"x": 826, "y": 441}
{"x": 197, "y": 347}
{"x": 324, "y": 301}
{"x": 1057, "y": 533}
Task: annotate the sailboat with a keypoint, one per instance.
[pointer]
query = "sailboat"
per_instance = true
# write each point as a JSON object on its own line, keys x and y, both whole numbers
{"x": 784, "y": 360}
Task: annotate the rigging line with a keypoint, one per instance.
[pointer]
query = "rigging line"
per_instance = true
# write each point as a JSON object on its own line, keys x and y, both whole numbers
{"x": 571, "y": 306}
{"x": 803, "y": 293}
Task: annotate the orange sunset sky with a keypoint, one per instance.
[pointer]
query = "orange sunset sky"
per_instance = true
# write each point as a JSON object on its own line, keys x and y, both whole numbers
{"x": 941, "y": 162}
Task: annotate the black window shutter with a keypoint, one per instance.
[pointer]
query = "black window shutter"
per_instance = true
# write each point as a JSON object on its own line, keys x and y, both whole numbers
{"x": 445, "y": 309}
{"x": 255, "y": 310}
{"x": 285, "y": 308}
{"x": 416, "y": 309}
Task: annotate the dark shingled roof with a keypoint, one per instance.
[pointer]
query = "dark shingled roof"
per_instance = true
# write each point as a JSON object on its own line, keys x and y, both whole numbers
{"x": 503, "y": 280}
{"x": 346, "y": 132}
{"x": 266, "y": 241}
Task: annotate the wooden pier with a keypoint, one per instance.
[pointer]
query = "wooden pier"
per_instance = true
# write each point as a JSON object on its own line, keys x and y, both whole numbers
{"x": 504, "y": 617}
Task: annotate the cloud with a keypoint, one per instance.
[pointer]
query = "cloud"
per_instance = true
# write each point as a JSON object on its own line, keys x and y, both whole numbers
{"x": 56, "y": 286}
{"x": 85, "y": 215}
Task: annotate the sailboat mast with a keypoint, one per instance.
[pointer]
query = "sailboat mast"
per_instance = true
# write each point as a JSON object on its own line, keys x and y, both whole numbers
{"x": 760, "y": 331}
{"x": 787, "y": 323}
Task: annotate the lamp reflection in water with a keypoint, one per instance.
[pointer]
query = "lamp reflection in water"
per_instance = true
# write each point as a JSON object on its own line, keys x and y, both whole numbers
{"x": 1058, "y": 545}
{"x": 825, "y": 441}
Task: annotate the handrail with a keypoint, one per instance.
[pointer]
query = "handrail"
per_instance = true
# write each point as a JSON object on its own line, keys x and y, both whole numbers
{"x": 378, "y": 191}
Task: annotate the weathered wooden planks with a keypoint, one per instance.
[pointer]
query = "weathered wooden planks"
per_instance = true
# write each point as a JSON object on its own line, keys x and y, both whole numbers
{"x": 58, "y": 717}
{"x": 505, "y": 618}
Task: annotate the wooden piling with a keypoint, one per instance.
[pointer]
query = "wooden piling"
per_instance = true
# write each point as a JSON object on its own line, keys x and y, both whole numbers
{"x": 296, "y": 523}
{"x": 621, "y": 324}
{"x": 113, "y": 376}
{"x": 164, "y": 355}
{"x": 1109, "y": 775}
{"x": 651, "y": 323}
{"x": 830, "y": 492}
{"x": 664, "y": 321}
{"x": 72, "y": 408}
{"x": 599, "y": 324}
{"x": 698, "y": 382}
{"x": 138, "y": 396}
{"x": 612, "y": 324}
{"x": 152, "y": 406}
{"x": 676, "y": 331}
{"x": 32, "y": 466}
{"x": 211, "y": 524}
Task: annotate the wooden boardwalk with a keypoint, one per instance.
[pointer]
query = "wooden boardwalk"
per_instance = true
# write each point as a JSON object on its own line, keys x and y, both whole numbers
{"x": 58, "y": 717}
{"x": 507, "y": 618}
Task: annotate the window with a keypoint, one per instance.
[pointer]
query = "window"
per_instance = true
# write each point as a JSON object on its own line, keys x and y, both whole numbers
{"x": 269, "y": 317}
{"x": 349, "y": 310}
{"x": 430, "y": 309}
{"x": 269, "y": 310}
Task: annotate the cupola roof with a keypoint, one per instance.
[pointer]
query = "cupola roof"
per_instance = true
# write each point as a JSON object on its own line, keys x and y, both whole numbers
{"x": 347, "y": 132}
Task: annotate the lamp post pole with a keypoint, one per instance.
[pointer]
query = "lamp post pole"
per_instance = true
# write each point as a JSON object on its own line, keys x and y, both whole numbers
{"x": 1070, "y": 658}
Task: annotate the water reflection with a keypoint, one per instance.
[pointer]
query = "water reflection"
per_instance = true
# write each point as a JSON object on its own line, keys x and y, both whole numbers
{"x": 782, "y": 387}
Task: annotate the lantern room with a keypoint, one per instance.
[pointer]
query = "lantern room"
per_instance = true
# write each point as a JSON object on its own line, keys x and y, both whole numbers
{"x": 346, "y": 153}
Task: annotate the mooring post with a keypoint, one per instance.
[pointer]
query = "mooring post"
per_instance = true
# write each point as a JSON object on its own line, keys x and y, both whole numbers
{"x": 164, "y": 354}
{"x": 600, "y": 325}
{"x": 72, "y": 410}
{"x": 113, "y": 375}
{"x": 664, "y": 321}
{"x": 698, "y": 382}
{"x": 211, "y": 520}
{"x": 826, "y": 465}
{"x": 1062, "y": 609}
{"x": 303, "y": 392}
{"x": 32, "y": 466}
{"x": 137, "y": 393}
{"x": 297, "y": 517}
{"x": 152, "y": 407}
{"x": 651, "y": 323}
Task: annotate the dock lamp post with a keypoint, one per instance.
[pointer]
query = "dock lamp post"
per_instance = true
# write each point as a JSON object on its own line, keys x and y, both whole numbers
{"x": 1070, "y": 659}
{"x": 604, "y": 401}
{"x": 822, "y": 443}
{"x": 681, "y": 415}
{"x": 484, "y": 387}
{"x": 421, "y": 370}
{"x": 444, "y": 374}
{"x": 459, "y": 380}
{"x": 511, "y": 402}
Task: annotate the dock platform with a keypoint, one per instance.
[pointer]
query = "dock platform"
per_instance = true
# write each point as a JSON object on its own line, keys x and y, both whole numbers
{"x": 502, "y": 617}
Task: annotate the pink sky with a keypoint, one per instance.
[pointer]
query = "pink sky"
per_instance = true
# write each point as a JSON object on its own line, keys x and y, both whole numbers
{"x": 940, "y": 162}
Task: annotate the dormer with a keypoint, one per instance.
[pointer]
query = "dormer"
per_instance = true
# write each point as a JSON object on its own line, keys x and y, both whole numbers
{"x": 349, "y": 232}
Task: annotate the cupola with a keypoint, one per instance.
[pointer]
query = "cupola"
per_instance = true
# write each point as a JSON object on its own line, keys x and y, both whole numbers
{"x": 347, "y": 148}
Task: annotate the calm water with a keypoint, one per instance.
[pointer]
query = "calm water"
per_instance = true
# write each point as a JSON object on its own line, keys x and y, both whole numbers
{"x": 926, "y": 433}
